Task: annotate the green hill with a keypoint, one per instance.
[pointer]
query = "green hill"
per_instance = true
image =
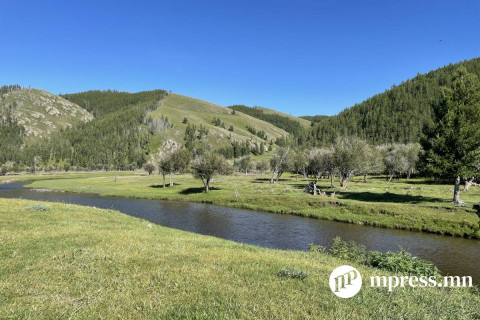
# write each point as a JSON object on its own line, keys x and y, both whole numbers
{"x": 287, "y": 122}
{"x": 42, "y": 113}
{"x": 304, "y": 122}
{"x": 130, "y": 129}
{"x": 397, "y": 115}
{"x": 177, "y": 108}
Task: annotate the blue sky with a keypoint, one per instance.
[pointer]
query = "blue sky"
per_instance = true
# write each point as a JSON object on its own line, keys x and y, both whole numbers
{"x": 299, "y": 57}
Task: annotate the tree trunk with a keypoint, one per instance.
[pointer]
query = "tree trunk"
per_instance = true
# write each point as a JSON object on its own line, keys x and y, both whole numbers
{"x": 171, "y": 180}
{"x": 408, "y": 175}
{"x": 207, "y": 185}
{"x": 314, "y": 187}
{"x": 468, "y": 184}
{"x": 273, "y": 177}
{"x": 163, "y": 180}
{"x": 456, "y": 191}
{"x": 390, "y": 179}
{"x": 278, "y": 176}
{"x": 365, "y": 178}
{"x": 343, "y": 183}
{"x": 332, "y": 177}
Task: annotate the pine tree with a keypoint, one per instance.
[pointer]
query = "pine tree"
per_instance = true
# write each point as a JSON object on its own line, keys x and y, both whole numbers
{"x": 453, "y": 144}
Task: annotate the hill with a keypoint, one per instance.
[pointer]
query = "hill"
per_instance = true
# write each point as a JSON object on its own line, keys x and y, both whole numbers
{"x": 316, "y": 118}
{"x": 41, "y": 113}
{"x": 287, "y": 122}
{"x": 304, "y": 122}
{"x": 130, "y": 129}
{"x": 224, "y": 127}
{"x": 397, "y": 115}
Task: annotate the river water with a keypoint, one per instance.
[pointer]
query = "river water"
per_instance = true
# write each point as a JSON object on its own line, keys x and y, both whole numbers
{"x": 454, "y": 256}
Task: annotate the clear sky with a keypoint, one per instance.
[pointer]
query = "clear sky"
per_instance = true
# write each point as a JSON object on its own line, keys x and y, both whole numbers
{"x": 299, "y": 57}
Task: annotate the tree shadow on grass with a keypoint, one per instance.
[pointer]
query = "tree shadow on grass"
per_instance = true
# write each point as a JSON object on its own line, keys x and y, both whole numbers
{"x": 386, "y": 197}
{"x": 263, "y": 180}
{"x": 428, "y": 182}
{"x": 161, "y": 185}
{"x": 197, "y": 190}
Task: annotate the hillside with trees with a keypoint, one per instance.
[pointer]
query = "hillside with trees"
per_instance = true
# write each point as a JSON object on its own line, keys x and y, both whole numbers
{"x": 128, "y": 131}
{"x": 288, "y": 123}
{"x": 40, "y": 113}
{"x": 397, "y": 115}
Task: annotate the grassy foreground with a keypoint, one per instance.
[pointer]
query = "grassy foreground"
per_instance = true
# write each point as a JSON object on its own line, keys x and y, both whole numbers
{"x": 81, "y": 262}
{"x": 414, "y": 204}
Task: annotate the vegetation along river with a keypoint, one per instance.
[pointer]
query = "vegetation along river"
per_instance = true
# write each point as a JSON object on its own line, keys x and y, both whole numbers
{"x": 454, "y": 256}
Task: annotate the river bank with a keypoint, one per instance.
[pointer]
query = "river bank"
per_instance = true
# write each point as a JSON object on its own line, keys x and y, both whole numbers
{"x": 84, "y": 262}
{"x": 415, "y": 204}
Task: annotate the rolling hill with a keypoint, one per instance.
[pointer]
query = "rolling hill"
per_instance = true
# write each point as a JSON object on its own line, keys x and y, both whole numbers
{"x": 42, "y": 113}
{"x": 201, "y": 113}
{"x": 304, "y": 122}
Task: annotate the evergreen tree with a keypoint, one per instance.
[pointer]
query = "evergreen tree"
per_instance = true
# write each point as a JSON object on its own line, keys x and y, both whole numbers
{"x": 452, "y": 145}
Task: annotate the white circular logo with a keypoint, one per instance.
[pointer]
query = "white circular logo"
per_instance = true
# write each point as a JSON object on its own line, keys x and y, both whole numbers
{"x": 345, "y": 281}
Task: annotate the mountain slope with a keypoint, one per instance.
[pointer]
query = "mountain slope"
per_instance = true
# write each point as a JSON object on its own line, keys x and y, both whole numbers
{"x": 42, "y": 113}
{"x": 304, "y": 122}
{"x": 288, "y": 123}
{"x": 202, "y": 113}
{"x": 397, "y": 115}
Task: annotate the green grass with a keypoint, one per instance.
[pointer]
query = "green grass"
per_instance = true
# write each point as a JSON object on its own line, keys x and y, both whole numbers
{"x": 412, "y": 204}
{"x": 86, "y": 263}
{"x": 21, "y": 177}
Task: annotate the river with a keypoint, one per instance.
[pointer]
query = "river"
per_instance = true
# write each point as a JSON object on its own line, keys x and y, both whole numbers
{"x": 454, "y": 256}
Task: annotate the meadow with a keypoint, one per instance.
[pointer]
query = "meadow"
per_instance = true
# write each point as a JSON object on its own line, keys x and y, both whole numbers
{"x": 416, "y": 204}
{"x": 67, "y": 261}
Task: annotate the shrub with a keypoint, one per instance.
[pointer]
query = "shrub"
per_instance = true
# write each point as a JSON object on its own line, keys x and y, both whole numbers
{"x": 314, "y": 248}
{"x": 292, "y": 273}
{"x": 399, "y": 262}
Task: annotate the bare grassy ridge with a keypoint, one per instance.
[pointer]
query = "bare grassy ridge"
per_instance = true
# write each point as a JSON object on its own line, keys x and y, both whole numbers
{"x": 198, "y": 112}
{"x": 414, "y": 204}
{"x": 86, "y": 263}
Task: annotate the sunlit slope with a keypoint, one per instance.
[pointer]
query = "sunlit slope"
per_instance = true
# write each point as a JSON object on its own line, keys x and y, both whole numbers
{"x": 198, "y": 112}
{"x": 304, "y": 122}
{"x": 42, "y": 113}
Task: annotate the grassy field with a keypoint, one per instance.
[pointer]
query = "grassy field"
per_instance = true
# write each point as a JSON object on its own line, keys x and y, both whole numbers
{"x": 86, "y": 263}
{"x": 414, "y": 204}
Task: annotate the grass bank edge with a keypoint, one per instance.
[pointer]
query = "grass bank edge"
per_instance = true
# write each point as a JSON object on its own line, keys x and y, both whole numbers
{"x": 383, "y": 215}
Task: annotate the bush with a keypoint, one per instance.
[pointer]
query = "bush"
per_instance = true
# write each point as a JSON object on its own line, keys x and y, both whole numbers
{"x": 399, "y": 262}
{"x": 348, "y": 250}
{"x": 292, "y": 273}
{"x": 320, "y": 249}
